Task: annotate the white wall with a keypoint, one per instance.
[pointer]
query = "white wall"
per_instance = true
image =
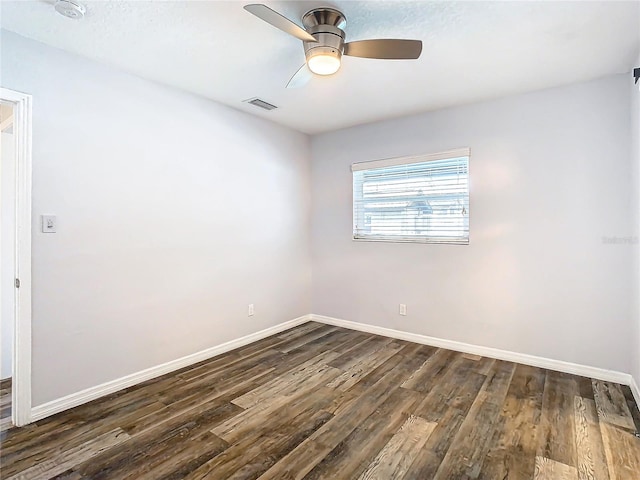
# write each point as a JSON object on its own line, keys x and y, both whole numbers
{"x": 174, "y": 213}
{"x": 549, "y": 179}
{"x": 635, "y": 165}
{"x": 7, "y": 245}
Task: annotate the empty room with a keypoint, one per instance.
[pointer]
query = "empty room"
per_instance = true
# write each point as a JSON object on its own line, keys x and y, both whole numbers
{"x": 320, "y": 240}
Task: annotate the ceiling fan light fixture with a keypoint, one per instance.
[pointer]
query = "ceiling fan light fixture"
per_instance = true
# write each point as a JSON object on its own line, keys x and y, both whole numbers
{"x": 323, "y": 40}
{"x": 324, "y": 64}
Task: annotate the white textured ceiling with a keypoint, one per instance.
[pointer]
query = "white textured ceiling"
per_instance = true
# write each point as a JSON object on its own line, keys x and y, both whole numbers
{"x": 472, "y": 51}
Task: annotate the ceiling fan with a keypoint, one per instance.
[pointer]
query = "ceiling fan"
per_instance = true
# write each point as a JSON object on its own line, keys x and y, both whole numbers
{"x": 324, "y": 44}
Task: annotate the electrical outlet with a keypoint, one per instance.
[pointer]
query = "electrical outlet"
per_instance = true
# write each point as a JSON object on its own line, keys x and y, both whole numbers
{"x": 250, "y": 311}
{"x": 403, "y": 309}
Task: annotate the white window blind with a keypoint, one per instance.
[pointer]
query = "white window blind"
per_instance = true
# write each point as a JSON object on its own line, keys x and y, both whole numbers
{"x": 421, "y": 199}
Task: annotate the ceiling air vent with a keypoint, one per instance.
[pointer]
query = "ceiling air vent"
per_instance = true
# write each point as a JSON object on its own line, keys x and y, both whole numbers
{"x": 261, "y": 103}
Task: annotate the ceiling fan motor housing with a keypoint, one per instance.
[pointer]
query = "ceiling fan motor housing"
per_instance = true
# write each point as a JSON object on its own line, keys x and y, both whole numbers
{"x": 325, "y": 24}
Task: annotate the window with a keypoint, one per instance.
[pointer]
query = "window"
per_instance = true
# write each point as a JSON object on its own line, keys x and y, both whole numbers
{"x": 421, "y": 199}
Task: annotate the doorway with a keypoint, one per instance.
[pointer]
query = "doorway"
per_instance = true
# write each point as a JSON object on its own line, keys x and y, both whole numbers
{"x": 7, "y": 259}
{"x": 15, "y": 259}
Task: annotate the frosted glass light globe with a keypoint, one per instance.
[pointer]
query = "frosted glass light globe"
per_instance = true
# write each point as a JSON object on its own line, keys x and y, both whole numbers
{"x": 324, "y": 64}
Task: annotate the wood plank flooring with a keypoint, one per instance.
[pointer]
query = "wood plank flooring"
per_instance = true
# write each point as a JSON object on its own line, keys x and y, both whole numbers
{"x": 5, "y": 405}
{"x": 321, "y": 402}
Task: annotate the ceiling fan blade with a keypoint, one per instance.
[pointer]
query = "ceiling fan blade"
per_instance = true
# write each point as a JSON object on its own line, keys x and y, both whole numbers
{"x": 283, "y": 23}
{"x": 385, "y": 49}
{"x": 300, "y": 78}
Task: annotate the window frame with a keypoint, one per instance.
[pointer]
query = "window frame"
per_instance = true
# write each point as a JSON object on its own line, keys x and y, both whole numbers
{"x": 409, "y": 160}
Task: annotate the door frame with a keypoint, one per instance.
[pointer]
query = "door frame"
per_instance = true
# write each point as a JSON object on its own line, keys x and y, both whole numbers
{"x": 21, "y": 380}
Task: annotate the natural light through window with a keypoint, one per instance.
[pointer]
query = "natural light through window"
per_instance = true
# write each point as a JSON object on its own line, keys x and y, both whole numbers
{"x": 413, "y": 199}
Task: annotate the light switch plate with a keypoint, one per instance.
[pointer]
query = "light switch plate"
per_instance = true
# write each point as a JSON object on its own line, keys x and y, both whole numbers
{"x": 49, "y": 224}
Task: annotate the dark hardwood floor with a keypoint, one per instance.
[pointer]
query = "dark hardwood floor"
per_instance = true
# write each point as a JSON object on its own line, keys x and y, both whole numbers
{"x": 5, "y": 407}
{"x": 320, "y": 402}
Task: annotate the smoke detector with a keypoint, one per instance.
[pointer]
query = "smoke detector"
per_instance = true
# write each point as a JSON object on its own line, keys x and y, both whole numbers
{"x": 70, "y": 9}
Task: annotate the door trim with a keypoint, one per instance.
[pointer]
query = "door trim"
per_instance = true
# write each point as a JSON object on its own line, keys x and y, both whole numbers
{"x": 21, "y": 383}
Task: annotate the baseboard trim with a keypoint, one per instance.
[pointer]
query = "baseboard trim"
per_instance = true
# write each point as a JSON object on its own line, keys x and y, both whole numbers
{"x": 79, "y": 398}
{"x": 550, "y": 364}
{"x": 75, "y": 399}
{"x": 635, "y": 390}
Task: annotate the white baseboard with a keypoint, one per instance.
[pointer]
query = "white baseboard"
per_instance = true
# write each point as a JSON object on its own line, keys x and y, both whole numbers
{"x": 75, "y": 399}
{"x": 635, "y": 390}
{"x": 550, "y": 364}
{"x": 70, "y": 401}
